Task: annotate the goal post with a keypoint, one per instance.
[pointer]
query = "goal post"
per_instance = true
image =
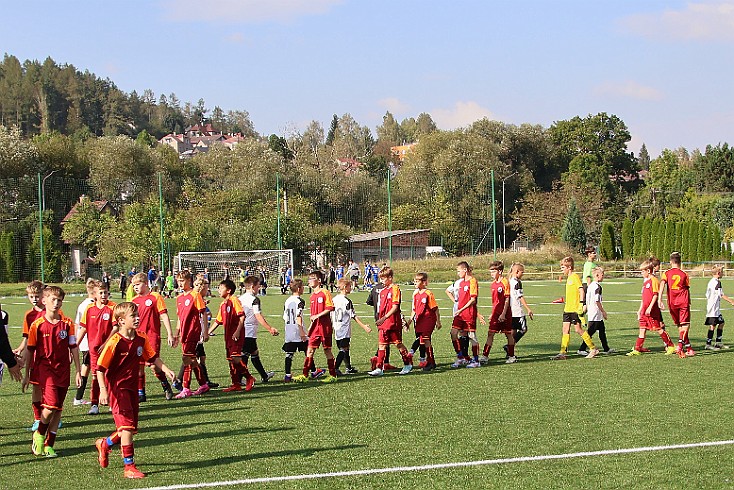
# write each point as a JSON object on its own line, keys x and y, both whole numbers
{"x": 272, "y": 262}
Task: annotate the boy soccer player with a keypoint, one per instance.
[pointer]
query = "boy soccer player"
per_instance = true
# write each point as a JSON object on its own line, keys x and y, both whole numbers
{"x": 341, "y": 320}
{"x": 34, "y": 292}
{"x": 254, "y": 317}
{"x": 648, "y": 314}
{"x": 321, "y": 330}
{"x": 678, "y": 286}
{"x": 587, "y": 276}
{"x": 119, "y": 367}
{"x": 191, "y": 327}
{"x": 153, "y": 312}
{"x": 714, "y": 318}
{"x": 574, "y": 304}
{"x": 98, "y": 324}
{"x": 464, "y": 323}
{"x": 201, "y": 286}
{"x": 501, "y": 319}
{"x": 425, "y": 317}
{"x": 390, "y": 324}
{"x": 295, "y": 335}
{"x": 84, "y": 343}
{"x": 232, "y": 316}
{"x": 52, "y": 340}
{"x": 595, "y": 312}
{"x": 517, "y": 302}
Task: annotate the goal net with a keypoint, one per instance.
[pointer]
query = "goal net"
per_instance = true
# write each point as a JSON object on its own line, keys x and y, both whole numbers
{"x": 272, "y": 262}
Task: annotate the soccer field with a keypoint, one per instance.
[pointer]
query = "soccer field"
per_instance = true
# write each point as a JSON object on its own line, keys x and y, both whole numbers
{"x": 515, "y": 426}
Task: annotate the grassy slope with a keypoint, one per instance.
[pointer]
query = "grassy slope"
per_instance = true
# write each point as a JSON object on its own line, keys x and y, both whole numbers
{"x": 534, "y": 407}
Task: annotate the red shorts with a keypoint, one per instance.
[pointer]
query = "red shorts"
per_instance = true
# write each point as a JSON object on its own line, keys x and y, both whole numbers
{"x": 650, "y": 323}
{"x": 188, "y": 349}
{"x": 424, "y": 328}
{"x": 233, "y": 349}
{"x": 461, "y": 324}
{"x": 496, "y": 327}
{"x": 321, "y": 336}
{"x": 391, "y": 336}
{"x": 680, "y": 314}
{"x": 155, "y": 343}
{"x": 93, "y": 358}
{"x": 124, "y": 405}
{"x": 52, "y": 395}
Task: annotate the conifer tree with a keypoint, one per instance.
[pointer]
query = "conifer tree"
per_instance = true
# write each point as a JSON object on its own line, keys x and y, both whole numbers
{"x": 628, "y": 239}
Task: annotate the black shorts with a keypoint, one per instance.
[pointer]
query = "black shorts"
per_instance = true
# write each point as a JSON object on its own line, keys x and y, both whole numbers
{"x": 713, "y": 320}
{"x": 597, "y": 325}
{"x": 355, "y": 278}
{"x": 295, "y": 347}
{"x": 249, "y": 346}
{"x": 200, "y": 350}
{"x": 519, "y": 323}
{"x": 343, "y": 343}
{"x": 572, "y": 318}
{"x": 85, "y": 358}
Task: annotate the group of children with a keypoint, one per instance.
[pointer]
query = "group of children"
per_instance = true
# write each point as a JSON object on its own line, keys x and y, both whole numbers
{"x": 118, "y": 341}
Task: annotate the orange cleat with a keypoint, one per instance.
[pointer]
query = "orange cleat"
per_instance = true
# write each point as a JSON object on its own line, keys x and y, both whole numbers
{"x": 132, "y": 472}
{"x": 103, "y": 452}
{"x": 249, "y": 383}
{"x": 232, "y": 388}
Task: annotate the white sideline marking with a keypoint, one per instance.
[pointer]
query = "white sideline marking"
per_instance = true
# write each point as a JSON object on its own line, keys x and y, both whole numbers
{"x": 460, "y": 464}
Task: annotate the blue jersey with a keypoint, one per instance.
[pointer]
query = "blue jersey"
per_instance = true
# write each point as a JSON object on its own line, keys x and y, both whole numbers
{"x": 340, "y": 272}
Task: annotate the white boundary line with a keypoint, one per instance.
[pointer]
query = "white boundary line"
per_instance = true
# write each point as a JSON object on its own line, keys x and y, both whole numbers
{"x": 461, "y": 464}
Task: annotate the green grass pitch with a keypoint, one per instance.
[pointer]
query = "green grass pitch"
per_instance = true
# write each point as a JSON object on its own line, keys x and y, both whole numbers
{"x": 533, "y": 408}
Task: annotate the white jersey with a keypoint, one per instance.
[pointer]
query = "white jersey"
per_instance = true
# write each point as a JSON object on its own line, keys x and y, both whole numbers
{"x": 454, "y": 290}
{"x": 293, "y": 310}
{"x": 251, "y": 305}
{"x": 341, "y": 317}
{"x": 714, "y": 292}
{"x": 84, "y": 344}
{"x": 515, "y": 294}
{"x": 593, "y": 295}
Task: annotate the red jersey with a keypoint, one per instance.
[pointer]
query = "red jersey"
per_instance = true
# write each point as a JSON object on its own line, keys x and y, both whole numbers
{"x": 321, "y": 301}
{"x": 650, "y": 289}
{"x": 500, "y": 293}
{"x": 121, "y": 358}
{"x": 99, "y": 323}
{"x": 678, "y": 287}
{"x": 150, "y": 308}
{"x": 468, "y": 289}
{"x": 31, "y": 316}
{"x": 390, "y": 296}
{"x": 424, "y": 308}
{"x": 50, "y": 344}
{"x": 230, "y": 313}
{"x": 189, "y": 308}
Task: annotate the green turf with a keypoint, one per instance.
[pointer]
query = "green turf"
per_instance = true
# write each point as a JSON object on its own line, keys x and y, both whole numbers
{"x": 535, "y": 407}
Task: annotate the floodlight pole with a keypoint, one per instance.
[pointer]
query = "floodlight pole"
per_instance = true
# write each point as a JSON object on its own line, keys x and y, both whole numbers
{"x": 160, "y": 216}
{"x": 277, "y": 203}
{"x": 494, "y": 219}
{"x": 389, "y": 215}
{"x": 40, "y": 228}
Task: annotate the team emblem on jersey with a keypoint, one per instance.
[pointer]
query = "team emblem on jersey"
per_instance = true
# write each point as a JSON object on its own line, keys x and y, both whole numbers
{"x": 106, "y": 316}
{"x": 424, "y": 300}
{"x": 229, "y": 308}
{"x": 647, "y": 286}
{"x": 140, "y": 351}
{"x": 148, "y": 302}
{"x": 63, "y": 334}
{"x": 320, "y": 300}
{"x": 466, "y": 288}
{"x": 187, "y": 302}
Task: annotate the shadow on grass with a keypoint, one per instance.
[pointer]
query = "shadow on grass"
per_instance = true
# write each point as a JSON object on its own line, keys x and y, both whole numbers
{"x": 225, "y": 460}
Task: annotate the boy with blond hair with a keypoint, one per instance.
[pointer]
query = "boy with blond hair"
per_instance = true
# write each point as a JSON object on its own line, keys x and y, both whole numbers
{"x": 574, "y": 305}
{"x": 464, "y": 324}
{"x": 34, "y": 293}
{"x": 83, "y": 343}
{"x": 648, "y": 314}
{"x": 118, "y": 368}
{"x": 425, "y": 317}
{"x": 253, "y": 319}
{"x": 714, "y": 318}
{"x": 52, "y": 340}
{"x": 517, "y": 303}
{"x": 98, "y": 324}
{"x": 191, "y": 327}
{"x": 321, "y": 330}
{"x": 153, "y": 312}
{"x": 296, "y": 338}
{"x": 341, "y": 319}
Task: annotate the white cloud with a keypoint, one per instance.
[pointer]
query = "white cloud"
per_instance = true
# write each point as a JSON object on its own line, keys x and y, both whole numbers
{"x": 461, "y": 115}
{"x": 629, "y": 89}
{"x": 394, "y": 105}
{"x": 248, "y": 11}
{"x": 704, "y": 21}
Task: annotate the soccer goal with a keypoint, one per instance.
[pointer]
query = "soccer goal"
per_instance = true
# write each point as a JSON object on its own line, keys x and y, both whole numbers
{"x": 273, "y": 262}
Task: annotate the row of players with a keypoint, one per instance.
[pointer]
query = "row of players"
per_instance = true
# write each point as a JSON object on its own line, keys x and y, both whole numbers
{"x": 117, "y": 353}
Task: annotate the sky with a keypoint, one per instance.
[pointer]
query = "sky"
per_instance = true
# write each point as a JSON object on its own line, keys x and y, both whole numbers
{"x": 664, "y": 67}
